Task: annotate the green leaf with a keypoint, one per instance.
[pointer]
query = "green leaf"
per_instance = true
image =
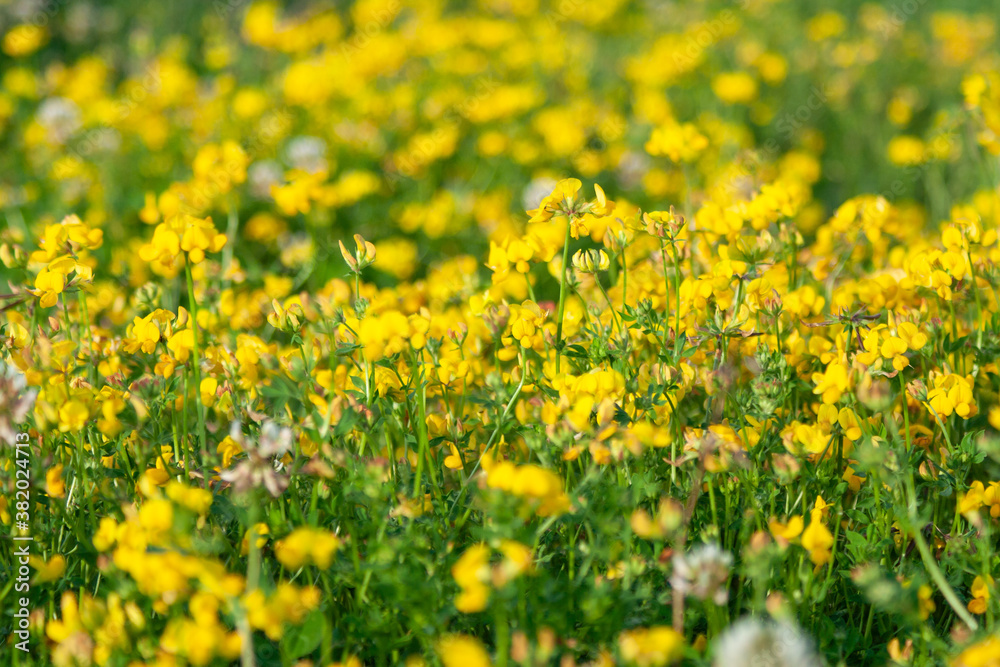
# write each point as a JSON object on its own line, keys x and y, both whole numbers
{"x": 304, "y": 639}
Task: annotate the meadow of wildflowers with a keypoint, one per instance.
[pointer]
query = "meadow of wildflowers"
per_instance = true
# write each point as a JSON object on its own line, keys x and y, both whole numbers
{"x": 505, "y": 332}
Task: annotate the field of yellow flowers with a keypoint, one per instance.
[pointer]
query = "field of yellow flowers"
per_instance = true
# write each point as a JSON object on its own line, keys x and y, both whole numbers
{"x": 505, "y": 332}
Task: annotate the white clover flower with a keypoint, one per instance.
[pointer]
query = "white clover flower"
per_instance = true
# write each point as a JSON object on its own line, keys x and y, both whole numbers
{"x": 60, "y": 117}
{"x": 307, "y": 153}
{"x": 632, "y": 167}
{"x": 261, "y": 175}
{"x": 754, "y": 643}
{"x": 262, "y": 466}
{"x": 536, "y": 191}
{"x": 703, "y": 573}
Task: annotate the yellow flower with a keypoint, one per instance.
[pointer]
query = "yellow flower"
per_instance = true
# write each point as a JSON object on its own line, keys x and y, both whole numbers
{"x": 55, "y": 486}
{"x": 462, "y": 651}
{"x": 517, "y": 561}
{"x": 48, "y": 286}
{"x": 825, "y": 25}
{"x": 298, "y": 194}
{"x": 925, "y": 601}
{"x": 560, "y": 200}
{"x": 526, "y": 325}
{"x": 156, "y": 516}
{"x": 519, "y": 253}
{"x": 817, "y": 539}
{"x": 471, "y": 572}
{"x": 228, "y": 448}
{"x": 354, "y": 661}
{"x": 800, "y": 438}
{"x": 952, "y": 394}
{"x": 985, "y": 653}
{"x": 853, "y": 480}
{"x": 911, "y": 335}
{"x": 149, "y": 213}
{"x": 180, "y": 234}
{"x": 24, "y": 39}
{"x": 106, "y": 535}
{"x": 362, "y": 257}
{"x": 822, "y": 507}
{"x": 972, "y": 500}
{"x": 454, "y": 460}
{"x": 73, "y": 416}
{"x": 181, "y": 344}
{"x": 786, "y": 532}
{"x": 145, "y": 333}
{"x": 47, "y": 570}
{"x": 667, "y": 520}
{"x": 735, "y": 87}
{"x": 164, "y": 247}
{"x": 207, "y": 391}
{"x": 286, "y": 318}
{"x": 980, "y": 594}
{"x": 832, "y": 383}
{"x": 848, "y": 421}
{"x": 906, "y": 151}
{"x": 894, "y": 348}
{"x": 195, "y": 499}
{"x": 591, "y": 261}
{"x": 307, "y": 545}
{"x": 498, "y": 262}
{"x": 69, "y": 623}
{"x": 199, "y": 238}
{"x": 540, "y": 486}
{"x": 991, "y": 498}
{"x": 399, "y": 257}
{"x": 681, "y": 143}
{"x": 602, "y": 206}
{"x": 261, "y": 530}
{"x": 651, "y": 647}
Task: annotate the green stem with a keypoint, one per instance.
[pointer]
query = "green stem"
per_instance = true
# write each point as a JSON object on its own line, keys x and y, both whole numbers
{"x": 503, "y": 635}
{"x": 232, "y": 226}
{"x": 562, "y": 294}
{"x": 677, "y": 297}
{"x": 946, "y": 590}
{"x": 253, "y": 562}
{"x": 624, "y": 280}
{"x": 614, "y": 314}
{"x": 925, "y": 555}
{"x": 906, "y": 413}
{"x": 86, "y": 339}
{"x": 493, "y": 436}
{"x": 422, "y": 459}
{"x": 666, "y": 295}
{"x": 196, "y": 367}
{"x": 979, "y": 324}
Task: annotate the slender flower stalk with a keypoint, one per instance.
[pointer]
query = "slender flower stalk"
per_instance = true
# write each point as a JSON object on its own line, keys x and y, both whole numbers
{"x": 196, "y": 367}
{"x": 562, "y": 295}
